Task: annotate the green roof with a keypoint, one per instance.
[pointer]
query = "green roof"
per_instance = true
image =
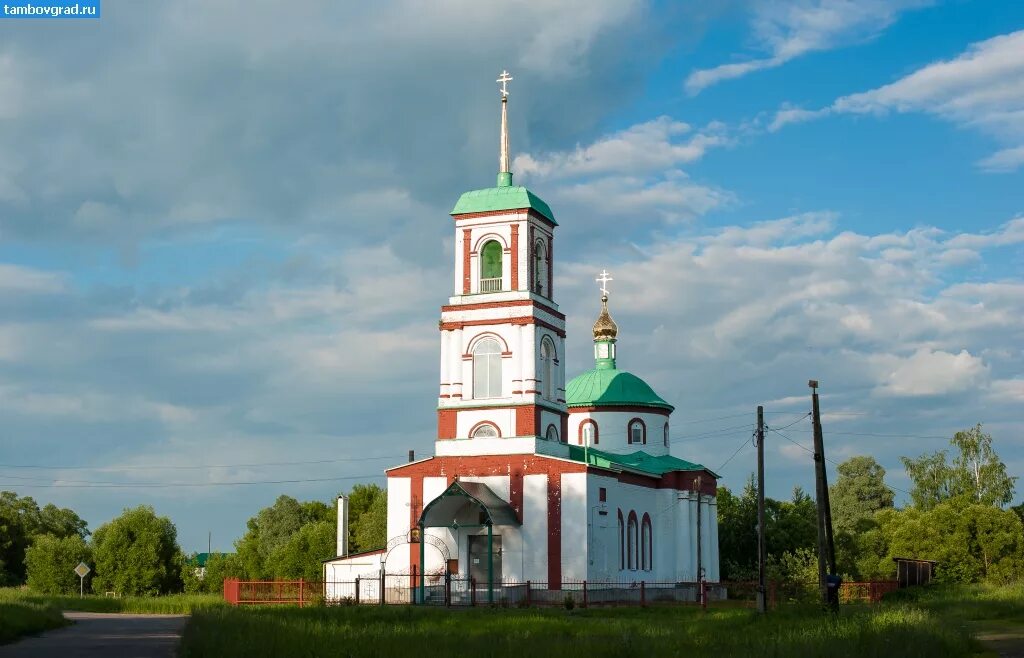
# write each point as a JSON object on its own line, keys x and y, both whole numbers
{"x": 636, "y": 461}
{"x": 502, "y": 198}
{"x": 200, "y": 559}
{"x": 610, "y": 387}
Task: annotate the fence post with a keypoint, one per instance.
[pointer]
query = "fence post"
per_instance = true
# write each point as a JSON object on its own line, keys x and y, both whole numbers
{"x": 357, "y": 590}
{"x": 643, "y": 595}
{"x": 301, "y": 588}
{"x": 703, "y": 594}
{"x": 585, "y": 599}
{"x": 412, "y": 592}
{"x": 381, "y": 588}
{"x": 447, "y": 588}
{"x": 472, "y": 592}
{"x": 529, "y": 597}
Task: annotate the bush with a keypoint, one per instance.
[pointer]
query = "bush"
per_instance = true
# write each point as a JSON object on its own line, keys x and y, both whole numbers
{"x": 51, "y": 562}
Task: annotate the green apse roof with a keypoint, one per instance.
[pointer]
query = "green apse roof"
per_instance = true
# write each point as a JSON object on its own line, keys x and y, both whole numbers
{"x": 610, "y": 387}
{"x": 506, "y": 197}
{"x": 636, "y": 461}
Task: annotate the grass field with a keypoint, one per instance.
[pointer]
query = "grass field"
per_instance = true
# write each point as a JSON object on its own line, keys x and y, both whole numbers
{"x": 900, "y": 629}
{"x": 172, "y": 604}
{"x": 19, "y": 618}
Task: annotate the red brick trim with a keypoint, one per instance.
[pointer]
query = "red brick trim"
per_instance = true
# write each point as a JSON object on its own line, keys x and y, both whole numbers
{"x": 515, "y": 256}
{"x": 635, "y": 409}
{"x": 466, "y": 274}
{"x": 579, "y": 431}
{"x": 480, "y": 306}
{"x": 462, "y": 324}
{"x": 415, "y": 509}
{"x": 519, "y": 213}
{"x": 446, "y": 423}
{"x": 486, "y": 334}
{"x": 484, "y": 422}
{"x": 554, "y": 531}
{"x": 485, "y": 465}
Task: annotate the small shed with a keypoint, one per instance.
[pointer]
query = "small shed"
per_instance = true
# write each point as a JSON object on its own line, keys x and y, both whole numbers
{"x": 912, "y": 571}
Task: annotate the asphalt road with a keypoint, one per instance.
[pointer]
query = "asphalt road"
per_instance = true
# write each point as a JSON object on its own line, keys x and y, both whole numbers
{"x": 100, "y": 634}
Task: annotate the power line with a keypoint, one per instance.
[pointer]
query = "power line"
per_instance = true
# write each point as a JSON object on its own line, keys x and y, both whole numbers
{"x": 711, "y": 433}
{"x": 193, "y": 467}
{"x": 741, "y": 447}
{"x": 828, "y": 459}
{"x": 708, "y": 420}
{"x": 166, "y": 485}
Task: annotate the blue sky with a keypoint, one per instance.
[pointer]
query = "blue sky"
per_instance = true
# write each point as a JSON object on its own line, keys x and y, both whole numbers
{"x": 224, "y": 237}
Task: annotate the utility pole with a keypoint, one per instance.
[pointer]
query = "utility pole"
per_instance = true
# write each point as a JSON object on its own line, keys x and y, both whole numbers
{"x": 762, "y": 605}
{"x": 826, "y": 547}
{"x": 700, "y": 542}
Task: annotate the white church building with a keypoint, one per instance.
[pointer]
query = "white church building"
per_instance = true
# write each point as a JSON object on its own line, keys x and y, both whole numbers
{"x": 535, "y": 477}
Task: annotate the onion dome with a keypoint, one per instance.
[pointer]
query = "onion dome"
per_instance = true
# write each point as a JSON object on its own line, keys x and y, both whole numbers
{"x": 605, "y": 328}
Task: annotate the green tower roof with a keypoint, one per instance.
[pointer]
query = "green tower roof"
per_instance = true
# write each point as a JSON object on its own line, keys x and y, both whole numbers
{"x": 608, "y": 387}
{"x": 505, "y": 197}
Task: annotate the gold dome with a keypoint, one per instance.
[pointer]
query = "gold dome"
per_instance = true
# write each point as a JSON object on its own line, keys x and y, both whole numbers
{"x": 605, "y": 328}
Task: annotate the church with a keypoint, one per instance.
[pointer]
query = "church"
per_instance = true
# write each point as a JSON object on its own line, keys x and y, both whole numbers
{"x": 535, "y": 477}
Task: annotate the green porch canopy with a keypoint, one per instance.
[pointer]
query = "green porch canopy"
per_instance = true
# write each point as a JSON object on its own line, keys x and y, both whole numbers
{"x": 460, "y": 501}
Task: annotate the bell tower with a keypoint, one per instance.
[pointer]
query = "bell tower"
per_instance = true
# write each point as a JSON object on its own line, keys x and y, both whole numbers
{"x": 502, "y": 337}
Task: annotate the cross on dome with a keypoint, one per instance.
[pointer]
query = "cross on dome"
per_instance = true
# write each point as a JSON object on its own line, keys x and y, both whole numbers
{"x": 504, "y": 79}
{"x": 603, "y": 280}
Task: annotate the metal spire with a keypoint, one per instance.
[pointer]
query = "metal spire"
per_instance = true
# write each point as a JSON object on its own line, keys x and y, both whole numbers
{"x": 504, "y": 169}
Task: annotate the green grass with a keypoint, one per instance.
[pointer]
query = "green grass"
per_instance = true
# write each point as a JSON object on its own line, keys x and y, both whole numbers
{"x": 18, "y": 618}
{"x": 171, "y": 604}
{"x": 668, "y": 631}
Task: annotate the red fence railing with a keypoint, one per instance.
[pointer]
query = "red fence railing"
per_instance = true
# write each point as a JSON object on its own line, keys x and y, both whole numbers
{"x": 392, "y": 589}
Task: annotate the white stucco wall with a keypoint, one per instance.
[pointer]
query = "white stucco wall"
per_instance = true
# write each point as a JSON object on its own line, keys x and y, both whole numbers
{"x": 612, "y": 430}
{"x": 535, "y": 527}
{"x": 399, "y": 490}
{"x": 574, "y": 526}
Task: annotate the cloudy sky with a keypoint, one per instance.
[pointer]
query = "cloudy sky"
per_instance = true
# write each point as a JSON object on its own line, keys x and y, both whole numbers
{"x": 224, "y": 235}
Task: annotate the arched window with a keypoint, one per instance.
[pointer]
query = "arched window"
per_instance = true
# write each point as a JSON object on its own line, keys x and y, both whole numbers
{"x": 540, "y": 269}
{"x": 666, "y": 435}
{"x": 646, "y": 545}
{"x": 637, "y": 432}
{"x": 487, "y": 369}
{"x": 588, "y": 433}
{"x": 485, "y": 430}
{"x": 622, "y": 543}
{"x": 490, "y": 267}
{"x": 632, "y": 537}
{"x": 551, "y": 434}
{"x": 547, "y": 368}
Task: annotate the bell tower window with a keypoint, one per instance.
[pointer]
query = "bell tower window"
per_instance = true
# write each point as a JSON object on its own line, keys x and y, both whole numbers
{"x": 487, "y": 369}
{"x": 547, "y": 368}
{"x": 490, "y": 267}
{"x": 540, "y": 269}
{"x": 637, "y": 432}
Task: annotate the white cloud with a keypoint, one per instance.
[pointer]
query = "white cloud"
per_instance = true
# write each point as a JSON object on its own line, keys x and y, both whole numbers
{"x": 20, "y": 279}
{"x": 928, "y": 372}
{"x": 655, "y": 145}
{"x": 787, "y": 30}
{"x": 982, "y": 88}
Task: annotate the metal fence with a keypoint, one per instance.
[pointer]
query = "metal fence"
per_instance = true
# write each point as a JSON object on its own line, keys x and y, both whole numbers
{"x": 405, "y": 589}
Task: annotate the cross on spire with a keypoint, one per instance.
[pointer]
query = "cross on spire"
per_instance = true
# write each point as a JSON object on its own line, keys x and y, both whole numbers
{"x": 504, "y": 79}
{"x": 603, "y": 280}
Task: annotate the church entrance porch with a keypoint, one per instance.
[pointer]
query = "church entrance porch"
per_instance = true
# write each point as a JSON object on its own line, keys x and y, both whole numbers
{"x": 470, "y": 505}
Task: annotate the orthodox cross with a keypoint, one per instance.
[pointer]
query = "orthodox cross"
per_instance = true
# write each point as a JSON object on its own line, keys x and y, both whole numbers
{"x": 603, "y": 280}
{"x": 504, "y": 79}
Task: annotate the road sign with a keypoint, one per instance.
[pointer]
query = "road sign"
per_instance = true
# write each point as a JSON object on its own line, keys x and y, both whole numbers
{"x": 82, "y": 570}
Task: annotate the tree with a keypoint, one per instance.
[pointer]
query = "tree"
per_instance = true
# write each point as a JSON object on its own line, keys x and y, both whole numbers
{"x": 976, "y": 473}
{"x": 137, "y": 554}
{"x": 61, "y": 522}
{"x": 271, "y": 529}
{"x": 51, "y": 561}
{"x": 370, "y": 528}
{"x": 19, "y": 519}
{"x": 931, "y": 476}
{"x": 858, "y": 493}
{"x": 303, "y": 554}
